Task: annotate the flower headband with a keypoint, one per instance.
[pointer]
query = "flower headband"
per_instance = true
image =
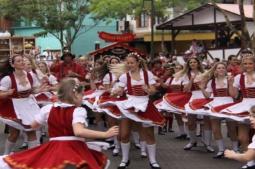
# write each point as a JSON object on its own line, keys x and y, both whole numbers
{"x": 134, "y": 54}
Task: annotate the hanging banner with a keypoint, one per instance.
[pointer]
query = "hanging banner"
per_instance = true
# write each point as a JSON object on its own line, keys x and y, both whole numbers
{"x": 109, "y": 37}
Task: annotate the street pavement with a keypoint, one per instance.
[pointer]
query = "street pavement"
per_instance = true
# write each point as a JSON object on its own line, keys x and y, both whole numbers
{"x": 170, "y": 155}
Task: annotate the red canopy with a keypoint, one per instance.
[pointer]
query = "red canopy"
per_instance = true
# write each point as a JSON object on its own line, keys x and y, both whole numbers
{"x": 117, "y": 49}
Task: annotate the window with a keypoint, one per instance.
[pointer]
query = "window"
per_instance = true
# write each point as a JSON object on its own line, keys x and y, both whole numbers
{"x": 142, "y": 21}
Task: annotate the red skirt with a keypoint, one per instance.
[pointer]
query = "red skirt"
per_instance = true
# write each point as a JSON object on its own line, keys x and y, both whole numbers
{"x": 88, "y": 92}
{"x": 151, "y": 113}
{"x": 199, "y": 103}
{"x": 217, "y": 109}
{"x": 57, "y": 155}
{"x": 7, "y": 110}
{"x": 112, "y": 108}
{"x": 178, "y": 99}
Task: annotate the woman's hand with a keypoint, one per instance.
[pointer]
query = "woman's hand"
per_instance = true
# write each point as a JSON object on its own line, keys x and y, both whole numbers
{"x": 230, "y": 79}
{"x": 113, "y": 131}
{"x": 229, "y": 154}
{"x": 117, "y": 92}
{"x": 147, "y": 89}
{"x": 5, "y": 94}
{"x": 202, "y": 84}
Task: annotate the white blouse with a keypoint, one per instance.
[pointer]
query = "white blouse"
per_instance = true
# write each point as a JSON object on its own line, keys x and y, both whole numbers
{"x": 79, "y": 115}
{"x": 123, "y": 79}
{"x": 209, "y": 85}
{"x": 106, "y": 79}
{"x": 5, "y": 83}
{"x": 237, "y": 81}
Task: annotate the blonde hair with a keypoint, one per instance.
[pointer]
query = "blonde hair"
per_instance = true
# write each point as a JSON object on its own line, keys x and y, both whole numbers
{"x": 248, "y": 57}
{"x": 47, "y": 67}
{"x": 67, "y": 89}
{"x": 211, "y": 72}
{"x": 187, "y": 68}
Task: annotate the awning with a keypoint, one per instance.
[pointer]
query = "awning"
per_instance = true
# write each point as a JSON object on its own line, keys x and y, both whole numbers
{"x": 117, "y": 49}
{"x": 207, "y": 16}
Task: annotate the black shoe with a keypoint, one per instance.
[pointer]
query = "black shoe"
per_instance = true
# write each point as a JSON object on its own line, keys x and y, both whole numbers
{"x": 112, "y": 146}
{"x": 137, "y": 146}
{"x": 124, "y": 165}
{"x": 181, "y": 137}
{"x": 209, "y": 149}
{"x": 155, "y": 165}
{"x": 161, "y": 133}
{"x": 189, "y": 146}
{"x": 248, "y": 167}
{"x": 115, "y": 151}
{"x": 24, "y": 146}
{"x": 170, "y": 130}
{"x": 220, "y": 154}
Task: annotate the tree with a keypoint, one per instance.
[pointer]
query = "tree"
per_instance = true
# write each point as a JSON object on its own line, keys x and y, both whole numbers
{"x": 61, "y": 18}
{"x": 246, "y": 40}
{"x": 117, "y": 9}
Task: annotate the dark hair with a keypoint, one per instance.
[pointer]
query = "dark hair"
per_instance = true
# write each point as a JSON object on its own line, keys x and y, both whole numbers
{"x": 114, "y": 57}
{"x": 230, "y": 57}
{"x": 155, "y": 61}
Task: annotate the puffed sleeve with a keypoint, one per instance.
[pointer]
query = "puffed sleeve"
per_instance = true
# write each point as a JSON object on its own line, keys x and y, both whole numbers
{"x": 44, "y": 114}
{"x": 53, "y": 80}
{"x": 36, "y": 82}
{"x": 185, "y": 79}
{"x": 106, "y": 79}
{"x": 167, "y": 81}
{"x": 80, "y": 116}
{"x": 5, "y": 83}
{"x": 151, "y": 78}
{"x": 252, "y": 145}
{"x": 209, "y": 87}
{"x": 236, "y": 83}
{"x": 123, "y": 80}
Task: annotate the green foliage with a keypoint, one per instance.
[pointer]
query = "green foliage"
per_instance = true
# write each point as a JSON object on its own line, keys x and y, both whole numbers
{"x": 118, "y": 9}
{"x": 62, "y": 18}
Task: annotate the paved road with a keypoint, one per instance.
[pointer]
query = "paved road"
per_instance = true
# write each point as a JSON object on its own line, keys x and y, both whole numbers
{"x": 170, "y": 155}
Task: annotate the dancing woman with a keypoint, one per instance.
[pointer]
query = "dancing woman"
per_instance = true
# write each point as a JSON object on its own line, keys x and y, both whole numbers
{"x": 19, "y": 108}
{"x": 137, "y": 107}
{"x": 216, "y": 94}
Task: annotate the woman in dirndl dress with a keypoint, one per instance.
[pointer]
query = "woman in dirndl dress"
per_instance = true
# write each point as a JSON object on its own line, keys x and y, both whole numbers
{"x": 173, "y": 85}
{"x": 19, "y": 108}
{"x": 49, "y": 81}
{"x": 66, "y": 147}
{"x": 245, "y": 83}
{"x": 191, "y": 72}
{"x": 216, "y": 94}
{"x": 109, "y": 81}
{"x": 137, "y": 107}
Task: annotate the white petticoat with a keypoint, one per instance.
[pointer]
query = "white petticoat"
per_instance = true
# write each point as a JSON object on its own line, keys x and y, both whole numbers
{"x": 217, "y": 101}
{"x": 93, "y": 106}
{"x": 195, "y": 95}
{"x": 243, "y": 106}
{"x": 164, "y": 106}
{"x": 3, "y": 164}
{"x": 139, "y": 103}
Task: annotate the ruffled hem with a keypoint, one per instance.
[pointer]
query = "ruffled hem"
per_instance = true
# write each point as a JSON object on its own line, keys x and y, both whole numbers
{"x": 57, "y": 155}
{"x": 177, "y": 100}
